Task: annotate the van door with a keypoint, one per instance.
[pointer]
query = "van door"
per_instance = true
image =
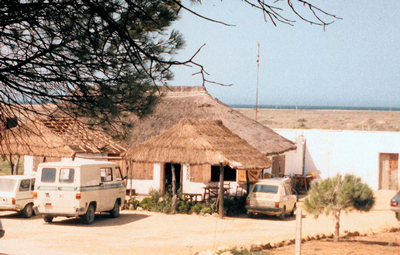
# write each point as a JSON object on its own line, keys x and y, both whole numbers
{"x": 108, "y": 189}
{"x": 23, "y": 194}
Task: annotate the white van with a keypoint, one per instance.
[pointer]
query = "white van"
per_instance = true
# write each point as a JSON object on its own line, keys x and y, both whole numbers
{"x": 16, "y": 194}
{"x": 78, "y": 189}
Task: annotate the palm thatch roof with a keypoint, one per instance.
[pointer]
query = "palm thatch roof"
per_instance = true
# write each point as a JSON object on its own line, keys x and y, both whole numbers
{"x": 196, "y": 103}
{"x": 199, "y": 142}
{"x": 56, "y": 137}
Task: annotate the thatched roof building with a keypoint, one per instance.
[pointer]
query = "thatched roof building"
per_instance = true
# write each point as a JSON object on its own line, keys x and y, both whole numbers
{"x": 57, "y": 137}
{"x": 199, "y": 142}
{"x": 196, "y": 103}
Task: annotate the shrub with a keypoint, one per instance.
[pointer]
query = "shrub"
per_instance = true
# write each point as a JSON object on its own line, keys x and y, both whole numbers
{"x": 131, "y": 204}
{"x": 235, "y": 206}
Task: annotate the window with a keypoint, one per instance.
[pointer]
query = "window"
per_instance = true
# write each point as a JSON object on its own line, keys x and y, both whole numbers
{"x": 67, "y": 175}
{"x": 7, "y": 185}
{"x": 106, "y": 174}
{"x": 118, "y": 172}
{"x": 229, "y": 174}
{"x": 24, "y": 185}
{"x": 266, "y": 188}
{"x": 48, "y": 175}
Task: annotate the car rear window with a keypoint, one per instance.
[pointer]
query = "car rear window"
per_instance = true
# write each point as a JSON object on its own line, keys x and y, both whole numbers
{"x": 7, "y": 185}
{"x": 266, "y": 188}
{"x": 67, "y": 175}
{"x": 48, "y": 175}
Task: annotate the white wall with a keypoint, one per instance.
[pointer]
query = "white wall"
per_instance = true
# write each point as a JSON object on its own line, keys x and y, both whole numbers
{"x": 329, "y": 152}
{"x": 143, "y": 186}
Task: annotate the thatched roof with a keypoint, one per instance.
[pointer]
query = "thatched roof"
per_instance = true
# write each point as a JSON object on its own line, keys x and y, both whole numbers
{"x": 57, "y": 137}
{"x": 196, "y": 103}
{"x": 199, "y": 142}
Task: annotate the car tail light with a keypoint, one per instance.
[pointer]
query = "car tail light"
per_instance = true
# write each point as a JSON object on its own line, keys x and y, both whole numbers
{"x": 393, "y": 203}
{"x": 247, "y": 201}
{"x": 276, "y": 204}
{"x": 34, "y": 194}
{"x": 13, "y": 200}
{"x": 78, "y": 195}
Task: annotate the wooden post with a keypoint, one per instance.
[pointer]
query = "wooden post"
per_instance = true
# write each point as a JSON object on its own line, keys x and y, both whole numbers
{"x": 299, "y": 216}
{"x": 221, "y": 191}
{"x": 247, "y": 183}
{"x": 173, "y": 189}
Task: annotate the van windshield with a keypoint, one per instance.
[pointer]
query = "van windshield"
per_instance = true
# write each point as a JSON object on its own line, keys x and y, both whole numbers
{"x": 7, "y": 185}
{"x": 266, "y": 188}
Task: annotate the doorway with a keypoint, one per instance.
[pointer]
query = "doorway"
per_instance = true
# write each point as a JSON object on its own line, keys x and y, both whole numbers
{"x": 388, "y": 171}
{"x": 168, "y": 177}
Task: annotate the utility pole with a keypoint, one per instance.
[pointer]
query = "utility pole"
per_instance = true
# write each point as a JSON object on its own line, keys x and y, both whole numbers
{"x": 258, "y": 74}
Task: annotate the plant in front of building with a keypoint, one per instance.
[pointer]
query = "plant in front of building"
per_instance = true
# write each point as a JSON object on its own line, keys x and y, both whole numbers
{"x": 339, "y": 194}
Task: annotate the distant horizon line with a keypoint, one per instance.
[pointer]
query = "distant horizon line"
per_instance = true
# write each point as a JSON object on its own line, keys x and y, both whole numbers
{"x": 314, "y": 107}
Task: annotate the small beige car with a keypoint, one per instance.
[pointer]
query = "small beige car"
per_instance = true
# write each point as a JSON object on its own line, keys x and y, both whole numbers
{"x": 16, "y": 194}
{"x": 271, "y": 197}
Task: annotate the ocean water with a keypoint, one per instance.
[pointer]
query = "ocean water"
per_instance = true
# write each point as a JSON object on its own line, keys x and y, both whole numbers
{"x": 311, "y": 107}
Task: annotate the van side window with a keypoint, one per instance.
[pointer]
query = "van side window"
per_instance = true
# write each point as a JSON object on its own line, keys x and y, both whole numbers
{"x": 48, "y": 175}
{"x": 106, "y": 174}
{"x": 118, "y": 173}
{"x": 24, "y": 186}
{"x": 67, "y": 175}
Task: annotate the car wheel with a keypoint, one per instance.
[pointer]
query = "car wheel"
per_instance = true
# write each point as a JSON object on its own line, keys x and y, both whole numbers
{"x": 294, "y": 209}
{"x": 398, "y": 216}
{"x": 88, "y": 218}
{"x": 115, "y": 211}
{"x": 48, "y": 219}
{"x": 282, "y": 215}
{"x": 27, "y": 212}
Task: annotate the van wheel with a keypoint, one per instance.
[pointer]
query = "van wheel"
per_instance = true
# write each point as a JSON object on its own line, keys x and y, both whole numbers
{"x": 282, "y": 215}
{"x": 88, "y": 218}
{"x": 294, "y": 209}
{"x": 48, "y": 219}
{"x": 27, "y": 212}
{"x": 115, "y": 211}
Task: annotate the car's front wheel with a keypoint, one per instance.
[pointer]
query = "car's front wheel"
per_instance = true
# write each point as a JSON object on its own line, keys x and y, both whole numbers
{"x": 27, "y": 212}
{"x": 47, "y": 219}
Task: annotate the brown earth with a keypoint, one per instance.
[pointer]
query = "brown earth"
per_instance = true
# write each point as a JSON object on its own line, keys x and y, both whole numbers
{"x": 380, "y": 243}
{"x": 327, "y": 119}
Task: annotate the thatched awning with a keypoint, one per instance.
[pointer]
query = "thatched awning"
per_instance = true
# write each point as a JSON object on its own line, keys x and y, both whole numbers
{"x": 199, "y": 142}
{"x": 56, "y": 137}
{"x": 196, "y": 103}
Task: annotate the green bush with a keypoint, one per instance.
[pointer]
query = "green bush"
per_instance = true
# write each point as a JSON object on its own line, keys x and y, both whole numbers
{"x": 131, "y": 204}
{"x": 235, "y": 206}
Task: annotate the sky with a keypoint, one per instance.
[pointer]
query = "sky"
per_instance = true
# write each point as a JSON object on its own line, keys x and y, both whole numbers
{"x": 354, "y": 62}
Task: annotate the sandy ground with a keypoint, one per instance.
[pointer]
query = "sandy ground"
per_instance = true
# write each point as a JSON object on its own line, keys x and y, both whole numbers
{"x": 140, "y": 232}
{"x": 327, "y": 119}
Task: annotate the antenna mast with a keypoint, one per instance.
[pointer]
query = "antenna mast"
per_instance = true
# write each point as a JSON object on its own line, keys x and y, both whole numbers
{"x": 258, "y": 74}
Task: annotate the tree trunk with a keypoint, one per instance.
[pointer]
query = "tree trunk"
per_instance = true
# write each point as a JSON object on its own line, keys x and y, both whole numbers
{"x": 221, "y": 191}
{"x": 11, "y": 164}
{"x": 247, "y": 183}
{"x": 173, "y": 189}
{"x": 337, "y": 226}
{"x": 16, "y": 164}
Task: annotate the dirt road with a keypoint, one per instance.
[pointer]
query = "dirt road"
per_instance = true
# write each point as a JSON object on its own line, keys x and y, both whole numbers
{"x": 139, "y": 232}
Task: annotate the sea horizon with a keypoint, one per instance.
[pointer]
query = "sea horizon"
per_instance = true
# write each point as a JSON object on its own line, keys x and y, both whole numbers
{"x": 315, "y": 107}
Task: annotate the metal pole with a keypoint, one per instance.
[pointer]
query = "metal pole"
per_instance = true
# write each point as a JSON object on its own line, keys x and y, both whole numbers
{"x": 297, "y": 246}
{"x": 258, "y": 74}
